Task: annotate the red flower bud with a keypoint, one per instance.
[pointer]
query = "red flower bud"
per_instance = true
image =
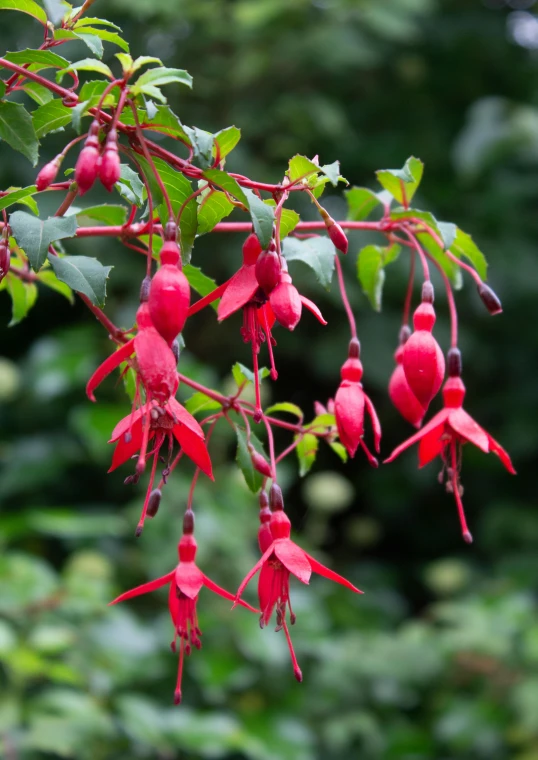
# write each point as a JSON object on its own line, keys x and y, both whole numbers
{"x": 251, "y": 250}
{"x": 401, "y": 394}
{"x": 5, "y": 258}
{"x": 349, "y": 412}
{"x": 109, "y": 166}
{"x": 337, "y": 236}
{"x": 490, "y": 299}
{"x": 260, "y": 463}
{"x": 265, "y": 538}
{"x": 268, "y": 270}
{"x": 156, "y": 362}
{"x": 154, "y": 502}
{"x": 423, "y": 361}
{"x": 48, "y": 173}
{"x": 286, "y": 302}
{"x": 170, "y": 294}
{"x": 87, "y": 164}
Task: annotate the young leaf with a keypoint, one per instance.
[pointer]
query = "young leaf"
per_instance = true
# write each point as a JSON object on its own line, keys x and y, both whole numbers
{"x": 25, "y": 6}
{"x": 300, "y": 166}
{"x": 226, "y": 140}
{"x": 285, "y": 406}
{"x": 86, "y": 64}
{"x": 149, "y": 80}
{"x": 464, "y": 245}
{"x": 263, "y": 217}
{"x": 17, "y": 129}
{"x": 143, "y": 60}
{"x": 130, "y": 186}
{"x": 110, "y": 214}
{"x": 402, "y": 183}
{"x": 39, "y": 59}
{"x": 306, "y": 449}
{"x": 332, "y": 172}
{"x": 212, "y": 208}
{"x": 83, "y": 274}
{"x": 289, "y": 219}
{"x": 360, "y": 203}
{"x": 16, "y": 196}
{"x": 34, "y": 235}
{"x": 23, "y": 296}
{"x": 51, "y": 117}
{"x": 203, "y": 144}
{"x": 88, "y": 21}
{"x": 223, "y": 180}
{"x": 199, "y": 402}
{"x": 253, "y": 478}
{"x": 318, "y": 253}
{"x": 90, "y": 40}
{"x": 106, "y": 36}
{"x": 371, "y": 270}
{"x": 242, "y": 374}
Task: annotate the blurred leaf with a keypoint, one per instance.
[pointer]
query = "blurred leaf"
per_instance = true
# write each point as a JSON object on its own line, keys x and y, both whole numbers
{"x": 130, "y": 186}
{"x": 23, "y": 297}
{"x": 242, "y": 374}
{"x": 17, "y": 128}
{"x": 110, "y": 214}
{"x": 253, "y": 478}
{"x": 307, "y": 449}
{"x": 317, "y": 252}
{"x": 48, "y": 278}
{"x": 213, "y": 208}
{"x": 90, "y": 40}
{"x": 360, "y": 203}
{"x": 465, "y": 246}
{"x": 402, "y": 183}
{"x": 199, "y": 402}
{"x": 40, "y": 59}
{"x": 371, "y": 270}
{"x": 227, "y": 139}
{"x": 285, "y": 406}
{"x": 24, "y": 6}
{"x": 200, "y": 282}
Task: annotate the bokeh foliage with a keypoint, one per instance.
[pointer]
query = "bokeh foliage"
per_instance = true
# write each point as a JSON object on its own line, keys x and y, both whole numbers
{"x": 439, "y": 659}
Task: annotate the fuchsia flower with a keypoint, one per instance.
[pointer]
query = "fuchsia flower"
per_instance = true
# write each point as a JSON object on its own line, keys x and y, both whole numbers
{"x": 350, "y": 403}
{"x": 281, "y": 556}
{"x": 422, "y": 358}
{"x": 400, "y": 393}
{"x": 48, "y": 173}
{"x": 445, "y": 434}
{"x": 170, "y": 294}
{"x": 186, "y": 581}
{"x": 109, "y": 166}
{"x": 87, "y": 165}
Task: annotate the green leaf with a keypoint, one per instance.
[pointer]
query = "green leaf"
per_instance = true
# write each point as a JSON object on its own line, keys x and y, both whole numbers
{"x": 223, "y": 180}
{"x": 226, "y": 139}
{"x": 149, "y": 80}
{"x": 289, "y": 219}
{"x": 17, "y": 129}
{"x": 199, "y": 402}
{"x": 48, "y": 278}
{"x": 263, "y": 217}
{"x": 88, "y": 21}
{"x": 213, "y": 207}
{"x": 322, "y": 421}
{"x": 306, "y": 449}
{"x": 38, "y": 92}
{"x": 447, "y": 231}
{"x": 34, "y": 235}
{"x": 242, "y": 374}
{"x": 102, "y": 34}
{"x": 51, "y": 117}
{"x": 199, "y": 281}
{"x": 203, "y": 144}
{"x": 83, "y": 274}
{"x": 164, "y": 120}
{"x": 449, "y": 268}
{"x": 143, "y": 60}
{"x": 110, "y": 214}
{"x": 318, "y": 253}
{"x": 23, "y": 296}
{"x": 16, "y": 196}
{"x": 25, "y": 6}
{"x": 332, "y": 172}
{"x": 402, "y": 183}
{"x": 371, "y": 270}
{"x": 90, "y": 40}
{"x": 130, "y": 186}
{"x": 340, "y": 450}
{"x": 86, "y": 64}
{"x": 360, "y": 203}
{"x": 253, "y": 478}
{"x": 285, "y": 406}
{"x": 39, "y": 59}
{"x": 465, "y": 246}
{"x": 56, "y": 10}
{"x": 300, "y": 166}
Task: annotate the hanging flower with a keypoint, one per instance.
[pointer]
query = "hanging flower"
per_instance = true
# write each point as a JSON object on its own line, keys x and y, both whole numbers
{"x": 400, "y": 393}
{"x": 170, "y": 293}
{"x": 422, "y": 359}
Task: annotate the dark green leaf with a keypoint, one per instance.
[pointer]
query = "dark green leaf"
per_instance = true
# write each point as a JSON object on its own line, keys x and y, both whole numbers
{"x": 86, "y": 64}
{"x": 17, "y": 129}
{"x": 106, "y": 36}
{"x": 360, "y": 203}
{"x": 40, "y": 59}
{"x": 307, "y": 449}
{"x": 227, "y": 139}
{"x": 213, "y": 207}
{"x": 109, "y": 214}
{"x": 199, "y": 402}
{"x": 465, "y": 246}
{"x": 50, "y": 117}
{"x": 253, "y": 478}
{"x": 199, "y": 281}
{"x": 16, "y": 196}
{"x": 23, "y": 296}
{"x": 449, "y": 268}
{"x": 83, "y": 274}
{"x": 318, "y": 253}
{"x": 263, "y": 217}
{"x": 402, "y": 183}
{"x": 285, "y": 406}
{"x": 24, "y": 6}
{"x": 203, "y": 144}
{"x": 164, "y": 120}
{"x": 223, "y": 180}
{"x": 371, "y": 270}
{"x": 130, "y": 186}
{"x": 34, "y": 235}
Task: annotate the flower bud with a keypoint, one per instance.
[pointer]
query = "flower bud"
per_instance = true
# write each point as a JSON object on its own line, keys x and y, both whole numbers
{"x": 154, "y": 502}
{"x": 48, "y": 173}
{"x": 268, "y": 270}
{"x": 109, "y": 166}
{"x": 145, "y": 287}
{"x": 423, "y": 361}
{"x": 260, "y": 463}
{"x": 188, "y": 522}
{"x": 337, "y": 235}
{"x": 169, "y": 299}
{"x": 251, "y": 250}
{"x": 286, "y": 303}
{"x": 170, "y": 231}
{"x": 401, "y": 394}
{"x": 349, "y": 413}
{"x": 489, "y": 299}
{"x": 454, "y": 362}
{"x": 170, "y": 252}
{"x": 5, "y": 258}
{"x": 87, "y": 164}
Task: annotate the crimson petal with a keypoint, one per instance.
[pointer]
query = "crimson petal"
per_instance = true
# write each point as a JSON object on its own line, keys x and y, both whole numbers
{"x": 464, "y": 425}
{"x": 293, "y": 558}
{"x": 189, "y": 579}
{"x": 503, "y": 455}
{"x": 195, "y": 448}
{"x": 244, "y": 583}
{"x": 179, "y": 413}
{"x": 240, "y": 291}
{"x": 320, "y": 569}
{"x": 311, "y": 306}
{"x": 439, "y": 420}
{"x": 125, "y": 424}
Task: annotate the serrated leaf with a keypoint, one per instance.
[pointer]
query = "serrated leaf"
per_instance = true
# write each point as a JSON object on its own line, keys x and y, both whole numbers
{"x": 263, "y": 217}
{"x": 371, "y": 270}
{"x": 48, "y": 278}
{"x": 164, "y": 120}
{"x": 317, "y": 252}
{"x": 447, "y": 231}
{"x": 199, "y": 402}
{"x": 23, "y": 296}
{"x": 38, "y": 92}
{"x": 402, "y": 183}
{"x": 51, "y": 117}
{"x": 17, "y": 129}
{"x": 130, "y": 186}
{"x": 301, "y": 166}
{"x": 90, "y": 40}
{"x": 212, "y": 209}
{"x": 285, "y": 406}
{"x": 24, "y": 6}
{"x": 39, "y": 59}
{"x": 332, "y": 172}
{"x": 56, "y": 10}
{"x": 108, "y": 213}
{"x": 89, "y": 21}
{"x": 17, "y": 195}
{"x": 158, "y": 77}
{"x": 340, "y": 450}
{"x": 83, "y": 274}
{"x": 360, "y": 203}
{"x": 202, "y": 143}
{"x": 465, "y": 246}
{"x": 34, "y": 235}
{"x": 307, "y": 449}
{"x": 199, "y": 281}
{"x": 226, "y": 139}
{"x": 107, "y": 36}
{"x": 223, "y": 180}
{"x": 143, "y": 60}
{"x": 242, "y": 374}
{"x": 86, "y": 64}
{"x": 253, "y": 478}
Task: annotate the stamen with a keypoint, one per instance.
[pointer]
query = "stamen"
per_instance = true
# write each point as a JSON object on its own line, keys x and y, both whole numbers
{"x": 140, "y": 526}
{"x": 296, "y": 669}
{"x": 467, "y": 537}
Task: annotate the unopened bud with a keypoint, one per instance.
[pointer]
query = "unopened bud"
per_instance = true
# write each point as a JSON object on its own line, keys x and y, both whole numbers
{"x": 268, "y": 270}
{"x": 260, "y": 463}
{"x": 319, "y": 408}
{"x": 188, "y": 523}
{"x": 109, "y": 166}
{"x": 427, "y": 292}
{"x": 405, "y": 333}
{"x": 145, "y": 288}
{"x": 154, "y": 502}
{"x": 48, "y": 173}
{"x": 5, "y": 258}
{"x": 263, "y": 499}
{"x": 454, "y": 362}
{"x": 275, "y": 497}
{"x": 251, "y": 250}
{"x": 170, "y": 231}
{"x": 490, "y": 299}
{"x": 337, "y": 235}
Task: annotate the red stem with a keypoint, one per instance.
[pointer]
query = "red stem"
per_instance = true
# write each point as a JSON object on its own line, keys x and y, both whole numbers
{"x": 345, "y": 301}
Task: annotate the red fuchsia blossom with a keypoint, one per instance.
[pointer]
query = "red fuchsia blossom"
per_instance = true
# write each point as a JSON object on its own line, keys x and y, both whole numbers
{"x": 350, "y": 403}
{"x": 48, "y": 173}
{"x": 281, "y": 557}
{"x": 185, "y": 581}
{"x": 268, "y": 268}
{"x": 170, "y": 294}
{"x": 286, "y": 302}
{"x": 337, "y": 235}
{"x": 109, "y": 168}
{"x": 445, "y": 434}
{"x": 87, "y": 164}
{"x": 423, "y": 360}
{"x": 400, "y": 393}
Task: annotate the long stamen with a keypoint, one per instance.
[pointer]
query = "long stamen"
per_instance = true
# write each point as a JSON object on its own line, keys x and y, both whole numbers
{"x": 177, "y": 692}
{"x": 267, "y": 331}
{"x": 371, "y": 458}
{"x": 467, "y": 537}
{"x": 140, "y": 526}
{"x": 141, "y": 464}
{"x": 258, "y": 410}
{"x": 296, "y": 669}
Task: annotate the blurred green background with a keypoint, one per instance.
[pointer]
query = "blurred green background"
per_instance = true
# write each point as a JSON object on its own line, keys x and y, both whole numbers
{"x": 439, "y": 658}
